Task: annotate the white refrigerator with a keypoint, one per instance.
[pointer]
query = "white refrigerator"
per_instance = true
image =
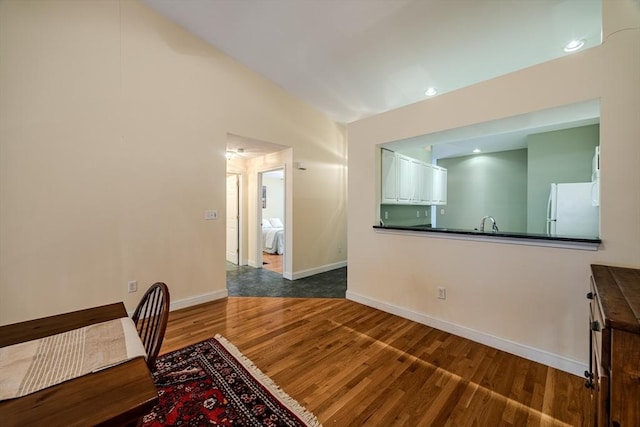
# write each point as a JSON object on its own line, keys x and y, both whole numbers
{"x": 570, "y": 211}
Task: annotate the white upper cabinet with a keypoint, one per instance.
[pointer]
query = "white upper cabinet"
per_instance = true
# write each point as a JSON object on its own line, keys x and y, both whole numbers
{"x": 405, "y": 179}
{"x": 439, "y": 196}
{"x": 408, "y": 181}
{"x": 416, "y": 169}
{"x": 389, "y": 177}
{"x": 427, "y": 183}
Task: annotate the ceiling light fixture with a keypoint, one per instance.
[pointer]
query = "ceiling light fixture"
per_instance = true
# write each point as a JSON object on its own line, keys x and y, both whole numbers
{"x": 573, "y": 45}
{"x": 477, "y": 150}
{"x": 232, "y": 154}
{"x": 431, "y": 91}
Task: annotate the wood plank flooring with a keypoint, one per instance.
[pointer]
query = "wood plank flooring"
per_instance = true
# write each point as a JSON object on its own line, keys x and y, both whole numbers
{"x": 352, "y": 365}
{"x": 273, "y": 262}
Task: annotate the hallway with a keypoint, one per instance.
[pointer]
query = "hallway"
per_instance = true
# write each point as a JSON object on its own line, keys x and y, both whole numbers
{"x": 245, "y": 281}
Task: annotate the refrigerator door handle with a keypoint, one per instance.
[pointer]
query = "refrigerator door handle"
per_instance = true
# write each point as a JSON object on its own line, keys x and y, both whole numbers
{"x": 549, "y": 215}
{"x": 549, "y": 221}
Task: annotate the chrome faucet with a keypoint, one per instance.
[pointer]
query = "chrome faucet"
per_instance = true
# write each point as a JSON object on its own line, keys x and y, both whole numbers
{"x": 494, "y": 226}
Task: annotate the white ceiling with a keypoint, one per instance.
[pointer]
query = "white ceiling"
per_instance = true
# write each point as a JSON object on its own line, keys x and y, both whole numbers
{"x": 354, "y": 58}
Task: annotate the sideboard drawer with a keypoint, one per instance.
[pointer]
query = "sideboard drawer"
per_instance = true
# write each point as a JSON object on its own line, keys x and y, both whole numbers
{"x": 614, "y": 337}
{"x": 600, "y": 334}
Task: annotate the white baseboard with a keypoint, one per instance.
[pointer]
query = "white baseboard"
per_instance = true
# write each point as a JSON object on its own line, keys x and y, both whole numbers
{"x": 198, "y": 299}
{"x": 188, "y": 302}
{"x": 312, "y": 271}
{"x": 541, "y": 356}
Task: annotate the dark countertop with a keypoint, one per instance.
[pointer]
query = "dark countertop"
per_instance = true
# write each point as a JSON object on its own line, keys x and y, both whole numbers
{"x": 504, "y": 234}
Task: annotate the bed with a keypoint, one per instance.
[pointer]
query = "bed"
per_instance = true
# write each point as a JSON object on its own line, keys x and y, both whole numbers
{"x": 273, "y": 236}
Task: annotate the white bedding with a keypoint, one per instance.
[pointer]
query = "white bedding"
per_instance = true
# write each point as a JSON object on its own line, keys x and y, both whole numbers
{"x": 273, "y": 240}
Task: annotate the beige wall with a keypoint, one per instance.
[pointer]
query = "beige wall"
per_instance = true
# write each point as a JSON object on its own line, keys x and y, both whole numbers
{"x": 527, "y": 299}
{"x": 113, "y": 126}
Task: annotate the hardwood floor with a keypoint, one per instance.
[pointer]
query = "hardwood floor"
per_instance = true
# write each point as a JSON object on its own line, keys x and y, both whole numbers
{"x": 273, "y": 262}
{"x": 352, "y": 365}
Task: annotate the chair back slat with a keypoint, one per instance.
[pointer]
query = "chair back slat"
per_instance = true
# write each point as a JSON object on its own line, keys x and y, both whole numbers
{"x": 151, "y": 318}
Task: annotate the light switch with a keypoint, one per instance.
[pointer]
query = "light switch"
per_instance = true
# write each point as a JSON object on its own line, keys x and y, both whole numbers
{"x": 210, "y": 214}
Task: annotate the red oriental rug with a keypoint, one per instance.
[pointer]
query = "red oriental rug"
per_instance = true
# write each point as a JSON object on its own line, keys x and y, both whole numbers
{"x": 212, "y": 383}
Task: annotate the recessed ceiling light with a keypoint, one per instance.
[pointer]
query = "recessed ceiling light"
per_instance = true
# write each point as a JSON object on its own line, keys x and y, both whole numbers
{"x": 573, "y": 45}
{"x": 431, "y": 91}
{"x": 477, "y": 150}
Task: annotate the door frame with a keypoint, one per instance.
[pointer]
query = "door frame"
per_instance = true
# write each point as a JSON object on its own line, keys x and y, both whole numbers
{"x": 258, "y": 224}
{"x": 233, "y": 215}
{"x": 242, "y": 253}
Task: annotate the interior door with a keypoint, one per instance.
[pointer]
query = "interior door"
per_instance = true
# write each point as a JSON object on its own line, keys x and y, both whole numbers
{"x": 232, "y": 219}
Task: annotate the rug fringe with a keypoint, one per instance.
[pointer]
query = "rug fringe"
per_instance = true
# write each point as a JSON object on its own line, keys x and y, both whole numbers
{"x": 303, "y": 413}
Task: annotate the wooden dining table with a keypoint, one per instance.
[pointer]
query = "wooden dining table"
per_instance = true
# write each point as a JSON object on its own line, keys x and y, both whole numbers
{"x": 115, "y": 396}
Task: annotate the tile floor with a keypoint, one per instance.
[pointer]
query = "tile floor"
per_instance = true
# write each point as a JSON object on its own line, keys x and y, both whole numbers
{"x": 245, "y": 281}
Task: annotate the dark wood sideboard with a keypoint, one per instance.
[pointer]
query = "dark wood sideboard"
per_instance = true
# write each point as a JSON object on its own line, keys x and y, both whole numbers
{"x": 614, "y": 338}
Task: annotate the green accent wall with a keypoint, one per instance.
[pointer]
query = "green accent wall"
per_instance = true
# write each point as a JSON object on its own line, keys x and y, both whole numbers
{"x": 405, "y": 214}
{"x": 555, "y": 157}
{"x": 486, "y": 184}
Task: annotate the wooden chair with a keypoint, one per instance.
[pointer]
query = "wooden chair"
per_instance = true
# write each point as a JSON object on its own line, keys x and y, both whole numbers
{"x": 150, "y": 319}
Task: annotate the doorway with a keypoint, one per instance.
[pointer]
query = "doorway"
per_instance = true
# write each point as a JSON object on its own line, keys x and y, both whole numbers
{"x": 272, "y": 219}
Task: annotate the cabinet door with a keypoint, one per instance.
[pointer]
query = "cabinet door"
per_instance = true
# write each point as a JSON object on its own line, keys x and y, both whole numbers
{"x": 443, "y": 186}
{"x": 439, "y": 185}
{"x": 389, "y": 177}
{"x": 417, "y": 173}
{"x": 427, "y": 183}
{"x": 405, "y": 184}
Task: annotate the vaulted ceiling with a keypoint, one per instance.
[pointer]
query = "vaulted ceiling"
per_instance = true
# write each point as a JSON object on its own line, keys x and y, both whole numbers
{"x": 354, "y": 58}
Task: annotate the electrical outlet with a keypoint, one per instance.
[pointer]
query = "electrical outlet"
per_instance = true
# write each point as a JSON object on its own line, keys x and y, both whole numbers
{"x": 339, "y": 249}
{"x": 417, "y": 214}
{"x": 132, "y": 286}
{"x": 442, "y": 293}
{"x": 386, "y": 215}
{"x": 426, "y": 213}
